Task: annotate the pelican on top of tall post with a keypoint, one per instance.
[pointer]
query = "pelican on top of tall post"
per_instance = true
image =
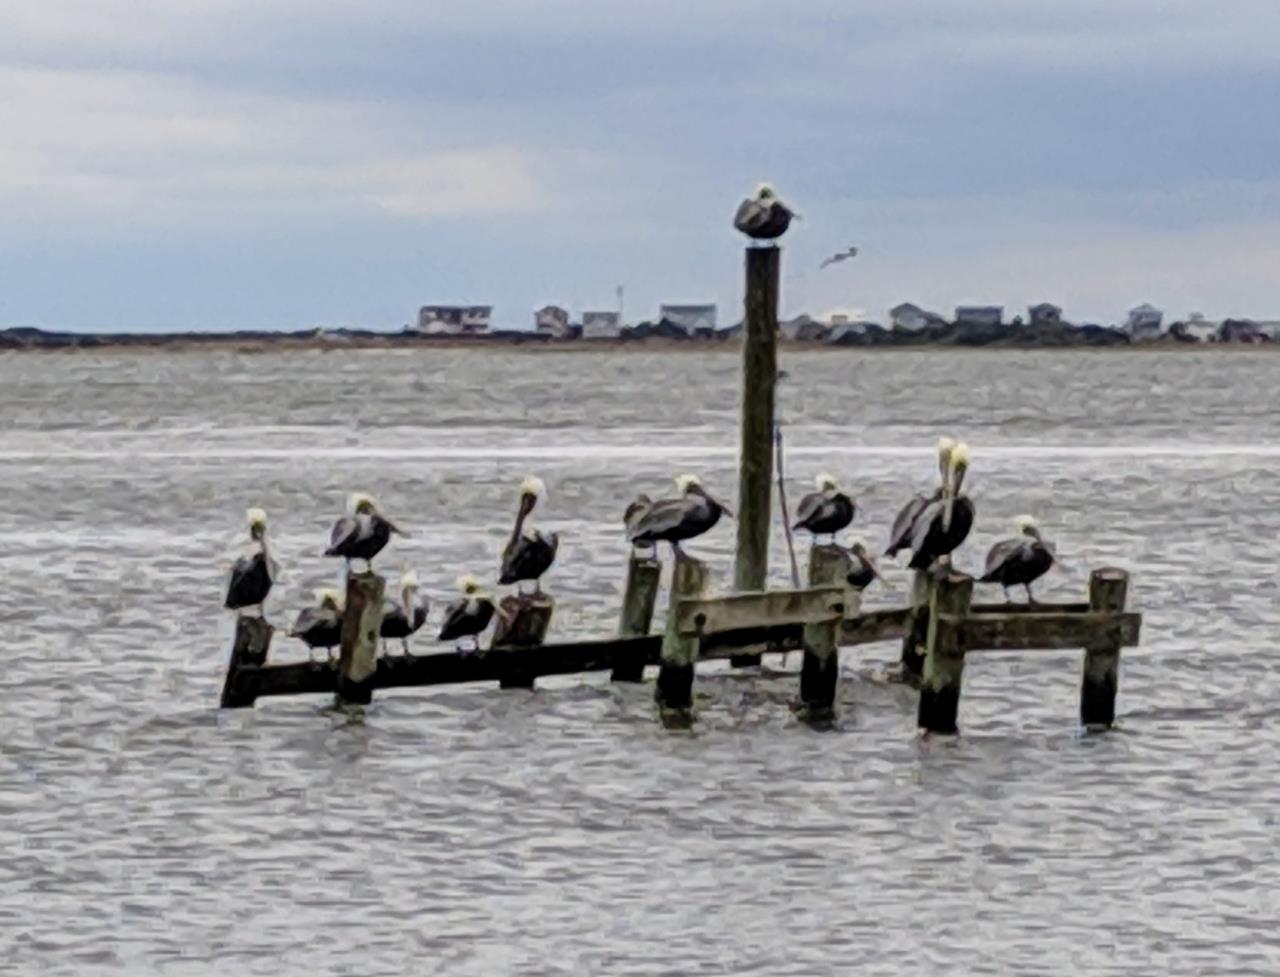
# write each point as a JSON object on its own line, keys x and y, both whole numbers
{"x": 362, "y": 533}
{"x": 900, "y": 534}
{"x": 253, "y": 574}
{"x": 944, "y": 523}
{"x": 692, "y": 513}
{"x": 826, "y": 511}
{"x": 763, "y": 216}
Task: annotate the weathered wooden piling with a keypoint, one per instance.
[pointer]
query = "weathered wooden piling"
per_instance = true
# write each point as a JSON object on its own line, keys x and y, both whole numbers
{"x": 912, "y": 662}
{"x": 521, "y": 624}
{"x": 755, "y": 461}
{"x": 944, "y": 654}
{"x": 820, "y": 671}
{"x": 1108, "y": 589}
{"x": 249, "y": 649}
{"x": 643, "y": 574}
{"x": 674, "y": 691}
{"x": 361, "y": 621}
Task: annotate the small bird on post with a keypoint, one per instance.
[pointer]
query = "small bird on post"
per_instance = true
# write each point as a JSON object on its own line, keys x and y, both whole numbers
{"x": 763, "y": 216}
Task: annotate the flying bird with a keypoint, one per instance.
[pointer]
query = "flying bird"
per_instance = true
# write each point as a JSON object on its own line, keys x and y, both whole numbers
{"x": 763, "y": 216}
{"x": 839, "y": 256}
{"x": 1020, "y": 561}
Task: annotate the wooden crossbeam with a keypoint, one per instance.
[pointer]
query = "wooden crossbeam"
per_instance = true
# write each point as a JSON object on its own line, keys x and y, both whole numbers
{"x": 811, "y": 606}
{"x": 1044, "y": 631}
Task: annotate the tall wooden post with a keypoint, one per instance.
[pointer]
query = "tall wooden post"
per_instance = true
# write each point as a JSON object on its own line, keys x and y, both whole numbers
{"x": 253, "y": 638}
{"x": 1108, "y": 588}
{"x": 755, "y": 459}
{"x": 820, "y": 672}
{"x": 643, "y": 574}
{"x": 944, "y": 655}
{"x": 912, "y": 663}
{"x": 674, "y": 691}
{"x": 361, "y": 622}
{"x": 522, "y": 624}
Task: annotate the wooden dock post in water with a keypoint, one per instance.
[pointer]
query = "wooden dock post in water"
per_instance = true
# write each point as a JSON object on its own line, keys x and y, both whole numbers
{"x": 944, "y": 654}
{"x": 674, "y": 691}
{"x": 361, "y": 621}
{"x": 253, "y": 638}
{"x": 755, "y": 460}
{"x": 820, "y": 672}
{"x": 522, "y": 624}
{"x": 643, "y": 575}
{"x": 1108, "y": 588}
{"x": 912, "y": 662}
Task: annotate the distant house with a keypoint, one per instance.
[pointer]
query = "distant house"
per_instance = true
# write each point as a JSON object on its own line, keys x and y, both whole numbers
{"x": 601, "y": 325}
{"x": 1270, "y": 329}
{"x": 979, "y": 315}
{"x": 1197, "y": 329}
{"x": 912, "y": 318}
{"x": 804, "y": 329}
{"x": 552, "y": 320}
{"x": 691, "y": 318}
{"x": 1145, "y": 322}
{"x": 1240, "y": 331}
{"x": 454, "y": 319}
{"x": 1045, "y": 314}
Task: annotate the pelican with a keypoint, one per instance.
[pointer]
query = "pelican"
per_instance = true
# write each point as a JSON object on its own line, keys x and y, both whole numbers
{"x": 944, "y": 523}
{"x": 362, "y": 533}
{"x": 529, "y": 553}
{"x": 321, "y": 626}
{"x": 1019, "y": 561}
{"x": 253, "y": 573}
{"x": 900, "y": 535}
{"x": 468, "y": 617}
{"x": 826, "y": 511}
{"x": 862, "y": 566}
{"x": 675, "y": 520}
{"x": 404, "y": 619}
{"x": 763, "y": 216}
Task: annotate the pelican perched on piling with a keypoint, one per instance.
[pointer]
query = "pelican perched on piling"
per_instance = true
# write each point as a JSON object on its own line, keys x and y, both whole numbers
{"x": 900, "y": 534}
{"x": 862, "y": 566}
{"x": 763, "y": 216}
{"x": 674, "y": 520}
{"x": 1020, "y": 561}
{"x": 529, "y": 553}
{"x": 362, "y": 533}
{"x": 468, "y": 617}
{"x": 826, "y": 511}
{"x": 253, "y": 573}
{"x": 321, "y": 626}
{"x": 943, "y": 524}
{"x": 404, "y": 619}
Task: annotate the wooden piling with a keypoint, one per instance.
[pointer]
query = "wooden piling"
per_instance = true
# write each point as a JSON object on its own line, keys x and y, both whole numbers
{"x": 1108, "y": 589}
{"x": 522, "y": 624}
{"x": 674, "y": 691}
{"x": 361, "y": 621}
{"x": 912, "y": 662}
{"x": 755, "y": 460}
{"x": 820, "y": 672}
{"x": 253, "y": 638}
{"x": 944, "y": 654}
{"x": 643, "y": 574}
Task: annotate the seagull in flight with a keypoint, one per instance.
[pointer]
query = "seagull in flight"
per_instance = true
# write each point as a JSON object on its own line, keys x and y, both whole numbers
{"x": 840, "y": 256}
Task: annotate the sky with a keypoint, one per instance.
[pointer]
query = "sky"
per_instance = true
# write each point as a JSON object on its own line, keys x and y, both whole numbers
{"x": 226, "y": 164}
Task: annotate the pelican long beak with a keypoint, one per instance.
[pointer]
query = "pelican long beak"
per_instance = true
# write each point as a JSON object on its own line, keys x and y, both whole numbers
{"x": 948, "y": 496}
{"x": 874, "y": 567}
{"x": 724, "y": 506}
{"x": 396, "y": 529}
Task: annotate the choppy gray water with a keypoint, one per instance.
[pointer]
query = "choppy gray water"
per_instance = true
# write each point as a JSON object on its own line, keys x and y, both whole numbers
{"x": 463, "y": 831}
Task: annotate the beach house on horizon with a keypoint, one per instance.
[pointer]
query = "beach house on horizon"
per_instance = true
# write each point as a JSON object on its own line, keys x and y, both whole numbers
{"x": 455, "y": 320}
{"x": 1145, "y": 322}
{"x": 601, "y": 325}
{"x": 911, "y": 318}
{"x": 691, "y": 318}
{"x": 552, "y": 320}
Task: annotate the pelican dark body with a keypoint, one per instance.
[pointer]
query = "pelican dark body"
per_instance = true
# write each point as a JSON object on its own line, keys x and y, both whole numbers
{"x": 763, "y": 217}
{"x": 529, "y": 553}
{"x": 675, "y": 520}
{"x": 821, "y": 513}
{"x": 250, "y": 582}
{"x": 1018, "y": 562}
{"x": 933, "y": 540}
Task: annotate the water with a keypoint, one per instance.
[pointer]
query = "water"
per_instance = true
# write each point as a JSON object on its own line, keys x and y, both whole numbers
{"x": 462, "y": 831}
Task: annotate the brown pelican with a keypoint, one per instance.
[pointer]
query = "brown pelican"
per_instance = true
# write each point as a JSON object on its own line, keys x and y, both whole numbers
{"x": 468, "y": 617}
{"x": 943, "y": 524}
{"x": 1019, "y": 561}
{"x": 862, "y": 566}
{"x": 404, "y": 619}
{"x": 675, "y": 520}
{"x": 362, "y": 533}
{"x": 529, "y": 553}
{"x": 826, "y": 511}
{"x": 762, "y": 216}
{"x": 252, "y": 574}
{"x": 900, "y": 534}
{"x": 321, "y": 626}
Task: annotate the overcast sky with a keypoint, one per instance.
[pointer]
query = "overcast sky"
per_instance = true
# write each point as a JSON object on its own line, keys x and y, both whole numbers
{"x": 280, "y": 163}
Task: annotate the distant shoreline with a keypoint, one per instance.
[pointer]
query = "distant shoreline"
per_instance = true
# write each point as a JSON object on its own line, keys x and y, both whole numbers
{"x": 1007, "y": 338}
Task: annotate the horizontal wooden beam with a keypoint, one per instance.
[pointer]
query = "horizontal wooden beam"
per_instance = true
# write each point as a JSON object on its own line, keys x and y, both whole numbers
{"x": 1032, "y": 632}
{"x": 762, "y": 609}
{"x": 871, "y": 626}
